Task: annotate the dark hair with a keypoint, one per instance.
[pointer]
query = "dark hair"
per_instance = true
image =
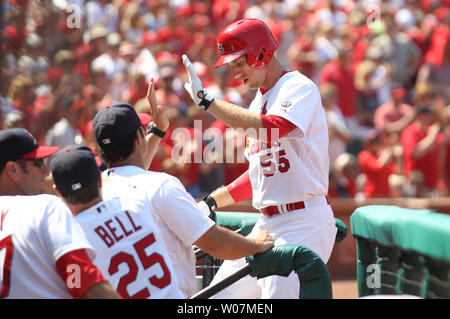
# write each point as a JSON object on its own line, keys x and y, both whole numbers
{"x": 83, "y": 195}
{"x": 2, "y": 167}
{"x": 120, "y": 151}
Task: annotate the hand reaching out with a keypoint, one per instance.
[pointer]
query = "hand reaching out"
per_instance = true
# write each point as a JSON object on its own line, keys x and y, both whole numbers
{"x": 264, "y": 239}
{"x": 159, "y": 118}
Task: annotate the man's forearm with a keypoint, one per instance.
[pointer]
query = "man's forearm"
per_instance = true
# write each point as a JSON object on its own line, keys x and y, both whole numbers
{"x": 153, "y": 144}
{"x": 235, "y": 116}
{"x": 222, "y": 197}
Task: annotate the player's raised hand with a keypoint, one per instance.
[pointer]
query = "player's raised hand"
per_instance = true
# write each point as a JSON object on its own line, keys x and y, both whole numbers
{"x": 194, "y": 86}
{"x": 159, "y": 118}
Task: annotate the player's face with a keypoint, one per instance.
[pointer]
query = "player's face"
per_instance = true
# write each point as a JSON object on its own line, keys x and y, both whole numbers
{"x": 32, "y": 176}
{"x": 252, "y": 77}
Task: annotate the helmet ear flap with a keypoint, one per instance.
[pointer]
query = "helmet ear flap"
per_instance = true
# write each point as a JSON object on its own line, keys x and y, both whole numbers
{"x": 260, "y": 60}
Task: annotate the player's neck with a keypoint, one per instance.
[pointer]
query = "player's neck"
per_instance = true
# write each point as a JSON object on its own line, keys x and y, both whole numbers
{"x": 135, "y": 159}
{"x": 273, "y": 74}
{"x": 79, "y": 208}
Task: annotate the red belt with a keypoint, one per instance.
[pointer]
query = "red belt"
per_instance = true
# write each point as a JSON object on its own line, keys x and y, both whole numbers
{"x": 274, "y": 210}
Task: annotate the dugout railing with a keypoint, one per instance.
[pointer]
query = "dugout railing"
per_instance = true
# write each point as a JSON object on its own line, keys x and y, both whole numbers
{"x": 315, "y": 279}
{"x": 401, "y": 251}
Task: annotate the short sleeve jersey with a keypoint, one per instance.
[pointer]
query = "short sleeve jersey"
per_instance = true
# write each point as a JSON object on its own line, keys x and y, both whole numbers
{"x": 130, "y": 250}
{"x": 175, "y": 212}
{"x": 35, "y": 231}
{"x": 294, "y": 167}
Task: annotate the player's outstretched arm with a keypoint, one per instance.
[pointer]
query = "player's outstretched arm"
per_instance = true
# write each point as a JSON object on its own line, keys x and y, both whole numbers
{"x": 222, "y": 243}
{"x": 232, "y": 115}
{"x": 237, "y": 191}
{"x": 159, "y": 121}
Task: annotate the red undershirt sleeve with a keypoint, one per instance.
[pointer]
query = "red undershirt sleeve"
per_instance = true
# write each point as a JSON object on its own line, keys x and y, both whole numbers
{"x": 78, "y": 272}
{"x": 276, "y": 124}
{"x": 241, "y": 188}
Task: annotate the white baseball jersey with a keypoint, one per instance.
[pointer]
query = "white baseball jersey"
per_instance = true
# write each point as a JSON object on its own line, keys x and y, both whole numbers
{"x": 294, "y": 167}
{"x": 130, "y": 250}
{"x": 176, "y": 214}
{"x": 35, "y": 231}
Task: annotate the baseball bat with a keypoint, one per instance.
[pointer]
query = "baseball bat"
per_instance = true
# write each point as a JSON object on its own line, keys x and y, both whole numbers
{"x": 224, "y": 283}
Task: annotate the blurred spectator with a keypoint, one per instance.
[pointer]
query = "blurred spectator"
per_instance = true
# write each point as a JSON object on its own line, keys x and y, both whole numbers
{"x": 397, "y": 185}
{"x": 376, "y": 164}
{"x": 377, "y": 80}
{"x": 339, "y": 133}
{"x": 131, "y": 24}
{"x": 346, "y": 172}
{"x": 326, "y": 51}
{"x": 33, "y": 61}
{"x": 394, "y": 115}
{"x": 165, "y": 93}
{"x": 110, "y": 59}
{"x": 446, "y": 151}
{"x": 340, "y": 72}
{"x": 6, "y": 103}
{"x": 302, "y": 54}
{"x": 420, "y": 142}
{"x": 65, "y": 131}
{"x": 402, "y": 52}
{"x": 14, "y": 119}
{"x": 435, "y": 70}
{"x": 102, "y": 12}
{"x": 22, "y": 95}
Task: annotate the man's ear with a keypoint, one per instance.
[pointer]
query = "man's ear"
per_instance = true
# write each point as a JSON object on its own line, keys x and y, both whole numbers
{"x": 13, "y": 171}
{"x": 100, "y": 181}
{"x": 139, "y": 137}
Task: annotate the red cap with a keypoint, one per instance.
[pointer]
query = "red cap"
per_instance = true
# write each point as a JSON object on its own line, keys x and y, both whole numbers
{"x": 399, "y": 93}
{"x": 144, "y": 118}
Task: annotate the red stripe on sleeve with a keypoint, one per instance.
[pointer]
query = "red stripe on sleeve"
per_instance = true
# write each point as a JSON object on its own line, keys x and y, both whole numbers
{"x": 78, "y": 272}
{"x": 241, "y": 188}
{"x": 277, "y": 126}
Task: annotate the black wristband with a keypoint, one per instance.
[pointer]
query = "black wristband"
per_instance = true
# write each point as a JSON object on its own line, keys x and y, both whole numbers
{"x": 155, "y": 131}
{"x": 204, "y": 103}
{"x": 211, "y": 202}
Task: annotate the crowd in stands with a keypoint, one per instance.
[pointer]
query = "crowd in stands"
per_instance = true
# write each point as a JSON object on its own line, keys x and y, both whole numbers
{"x": 382, "y": 67}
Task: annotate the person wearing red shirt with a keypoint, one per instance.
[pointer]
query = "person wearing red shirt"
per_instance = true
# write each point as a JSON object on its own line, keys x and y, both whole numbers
{"x": 341, "y": 73}
{"x": 395, "y": 115}
{"x": 377, "y": 165}
{"x": 446, "y": 151}
{"x": 420, "y": 141}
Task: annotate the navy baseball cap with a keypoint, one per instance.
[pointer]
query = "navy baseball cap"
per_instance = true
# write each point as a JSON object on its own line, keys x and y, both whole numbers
{"x": 115, "y": 124}
{"x": 73, "y": 168}
{"x": 18, "y": 143}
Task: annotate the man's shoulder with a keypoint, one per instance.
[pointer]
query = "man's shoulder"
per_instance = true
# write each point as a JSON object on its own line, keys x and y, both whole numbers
{"x": 297, "y": 80}
{"x": 137, "y": 177}
{"x": 31, "y": 200}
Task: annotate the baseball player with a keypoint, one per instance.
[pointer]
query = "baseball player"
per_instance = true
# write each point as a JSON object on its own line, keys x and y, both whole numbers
{"x": 123, "y": 146}
{"x": 287, "y": 149}
{"x": 130, "y": 250}
{"x": 43, "y": 251}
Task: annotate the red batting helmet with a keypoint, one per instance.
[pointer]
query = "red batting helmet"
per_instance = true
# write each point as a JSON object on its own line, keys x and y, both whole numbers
{"x": 247, "y": 36}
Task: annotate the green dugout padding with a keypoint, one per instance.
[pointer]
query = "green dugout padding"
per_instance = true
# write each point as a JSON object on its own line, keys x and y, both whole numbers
{"x": 410, "y": 247}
